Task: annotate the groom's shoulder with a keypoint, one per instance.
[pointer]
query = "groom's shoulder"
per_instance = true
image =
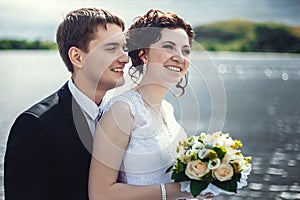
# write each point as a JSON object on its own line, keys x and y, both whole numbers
{"x": 44, "y": 105}
{"x": 48, "y": 105}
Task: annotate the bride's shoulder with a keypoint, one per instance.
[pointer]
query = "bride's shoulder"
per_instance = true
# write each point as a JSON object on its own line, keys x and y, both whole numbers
{"x": 167, "y": 105}
{"x": 128, "y": 97}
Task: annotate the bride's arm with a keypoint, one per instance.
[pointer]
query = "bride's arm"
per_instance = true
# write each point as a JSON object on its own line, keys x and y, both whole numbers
{"x": 110, "y": 143}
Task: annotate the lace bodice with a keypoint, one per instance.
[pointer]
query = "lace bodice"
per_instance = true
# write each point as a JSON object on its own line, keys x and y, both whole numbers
{"x": 152, "y": 146}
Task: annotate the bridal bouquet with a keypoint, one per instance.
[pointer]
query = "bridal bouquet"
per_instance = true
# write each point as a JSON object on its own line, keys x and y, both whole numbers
{"x": 210, "y": 163}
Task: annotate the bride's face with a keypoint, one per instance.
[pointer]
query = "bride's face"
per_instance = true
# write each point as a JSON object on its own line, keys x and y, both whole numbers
{"x": 167, "y": 59}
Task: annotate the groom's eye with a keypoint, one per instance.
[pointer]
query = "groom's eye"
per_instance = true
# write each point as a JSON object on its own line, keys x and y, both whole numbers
{"x": 111, "y": 48}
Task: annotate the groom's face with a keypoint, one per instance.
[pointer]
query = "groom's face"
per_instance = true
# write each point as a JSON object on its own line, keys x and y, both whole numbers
{"x": 106, "y": 59}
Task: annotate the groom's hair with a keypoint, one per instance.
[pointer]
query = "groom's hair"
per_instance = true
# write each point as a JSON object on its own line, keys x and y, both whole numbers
{"x": 78, "y": 28}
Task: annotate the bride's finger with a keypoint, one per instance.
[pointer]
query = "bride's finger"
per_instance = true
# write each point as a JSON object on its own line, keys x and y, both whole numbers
{"x": 207, "y": 196}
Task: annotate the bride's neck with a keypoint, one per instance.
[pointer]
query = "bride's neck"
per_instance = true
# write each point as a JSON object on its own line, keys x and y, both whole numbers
{"x": 153, "y": 94}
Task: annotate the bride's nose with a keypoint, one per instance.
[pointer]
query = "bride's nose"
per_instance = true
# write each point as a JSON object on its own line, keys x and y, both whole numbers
{"x": 178, "y": 57}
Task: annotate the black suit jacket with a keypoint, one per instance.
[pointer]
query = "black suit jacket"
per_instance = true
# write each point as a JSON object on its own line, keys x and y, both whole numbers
{"x": 48, "y": 151}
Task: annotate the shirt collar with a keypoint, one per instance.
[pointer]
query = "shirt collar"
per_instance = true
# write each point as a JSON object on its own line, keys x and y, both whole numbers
{"x": 89, "y": 106}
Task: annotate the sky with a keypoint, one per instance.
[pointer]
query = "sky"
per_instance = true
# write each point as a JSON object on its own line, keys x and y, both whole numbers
{"x": 36, "y": 19}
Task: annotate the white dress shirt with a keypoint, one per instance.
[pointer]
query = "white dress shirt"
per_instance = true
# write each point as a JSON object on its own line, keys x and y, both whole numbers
{"x": 90, "y": 108}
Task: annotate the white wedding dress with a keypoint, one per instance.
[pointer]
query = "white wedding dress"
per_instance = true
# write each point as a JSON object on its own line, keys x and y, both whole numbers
{"x": 152, "y": 146}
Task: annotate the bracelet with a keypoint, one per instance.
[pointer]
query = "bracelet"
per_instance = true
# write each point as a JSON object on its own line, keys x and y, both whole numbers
{"x": 163, "y": 191}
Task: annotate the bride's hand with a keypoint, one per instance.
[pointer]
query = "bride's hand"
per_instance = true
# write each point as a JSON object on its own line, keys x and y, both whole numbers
{"x": 207, "y": 196}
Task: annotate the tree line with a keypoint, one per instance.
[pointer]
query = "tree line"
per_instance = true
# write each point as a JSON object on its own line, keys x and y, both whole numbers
{"x": 8, "y": 44}
{"x": 232, "y": 35}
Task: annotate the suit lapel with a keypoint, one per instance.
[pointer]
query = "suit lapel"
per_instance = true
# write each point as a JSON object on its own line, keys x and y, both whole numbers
{"x": 82, "y": 127}
{"x": 80, "y": 124}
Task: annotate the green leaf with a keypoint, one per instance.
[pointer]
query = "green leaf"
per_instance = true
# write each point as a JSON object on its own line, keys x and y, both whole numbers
{"x": 197, "y": 187}
{"x": 208, "y": 177}
{"x": 230, "y": 185}
{"x": 169, "y": 169}
{"x": 221, "y": 151}
{"x": 179, "y": 177}
{"x": 179, "y": 166}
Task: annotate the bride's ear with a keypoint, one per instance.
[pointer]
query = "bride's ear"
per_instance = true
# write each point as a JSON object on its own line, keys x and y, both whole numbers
{"x": 143, "y": 55}
{"x": 76, "y": 57}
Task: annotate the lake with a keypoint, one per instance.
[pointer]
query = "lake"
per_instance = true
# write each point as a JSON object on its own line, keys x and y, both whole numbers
{"x": 254, "y": 96}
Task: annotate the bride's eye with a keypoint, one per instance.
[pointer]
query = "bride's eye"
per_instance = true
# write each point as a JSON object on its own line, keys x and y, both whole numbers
{"x": 167, "y": 46}
{"x": 186, "y": 51}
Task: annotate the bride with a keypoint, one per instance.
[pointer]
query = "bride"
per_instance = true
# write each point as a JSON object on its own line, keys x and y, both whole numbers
{"x": 136, "y": 138}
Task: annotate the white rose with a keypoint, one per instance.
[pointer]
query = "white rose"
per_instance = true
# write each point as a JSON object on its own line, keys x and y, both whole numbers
{"x": 203, "y": 153}
{"x": 239, "y": 159}
{"x": 194, "y": 139}
{"x": 196, "y": 169}
{"x": 228, "y": 143}
{"x": 224, "y": 172}
{"x": 214, "y": 164}
{"x": 197, "y": 146}
{"x": 202, "y": 136}
{"x": 227, "y": 158}
{"x": 189, "y": 152}
{"x": 209, "y": 139}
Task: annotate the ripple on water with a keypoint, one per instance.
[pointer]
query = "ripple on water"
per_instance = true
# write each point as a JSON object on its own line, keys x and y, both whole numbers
{"x": 284, "y": 174}
{"x": 292, "y": 163}
{"x": 257, "y": 170}
{"x": 256, "y": 186}
{"x": 279, "y": 156}
{"x": 298, "y": 129}
{"x": 274, "y": 161}
{"x": 285, "y": 76}
{"x": 275, "y": 171}
{"x": 256, "y": 165}
{"x": 271, "y": 110}
{"x": 268, "y": 72}
{"x": 267, "y": 178}
{"x": 296, "y": 146}
{"x": 239, "y": 69}
{"x": 287, "y": 129}
{"x": 257, "y": 160}
{"x": 289, "y": 195}
{"x": 289, "y": 147}
{"x": 278, "y": 188}
{"x": 222, "y": 68}
{"x": 280, "y": 123}
{"x": 255, "y": 194}
{"x": 295, "y": 187}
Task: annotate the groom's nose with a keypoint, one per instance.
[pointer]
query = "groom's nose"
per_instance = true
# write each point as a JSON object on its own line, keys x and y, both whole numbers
{"x": 123, "y": 58}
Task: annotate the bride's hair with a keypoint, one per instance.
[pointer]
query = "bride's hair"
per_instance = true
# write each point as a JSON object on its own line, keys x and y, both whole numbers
{"x": 145, "y": 31}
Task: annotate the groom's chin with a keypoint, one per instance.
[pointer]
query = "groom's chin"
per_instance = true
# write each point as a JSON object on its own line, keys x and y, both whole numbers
{"x": 120, "y": 83}
{"x": 117, "y": 84}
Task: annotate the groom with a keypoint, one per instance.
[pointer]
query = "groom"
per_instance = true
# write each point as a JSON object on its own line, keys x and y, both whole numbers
{"x": 49, "y": 146}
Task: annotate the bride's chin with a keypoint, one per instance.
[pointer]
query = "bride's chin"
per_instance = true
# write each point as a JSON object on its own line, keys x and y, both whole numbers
{"x": 173, "y": 78}
{"x": 169, "y": 82}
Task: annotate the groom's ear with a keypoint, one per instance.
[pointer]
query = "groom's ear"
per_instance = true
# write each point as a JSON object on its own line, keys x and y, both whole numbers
{"x": 143, "y": 55}
{"x": 76, "y": 57}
